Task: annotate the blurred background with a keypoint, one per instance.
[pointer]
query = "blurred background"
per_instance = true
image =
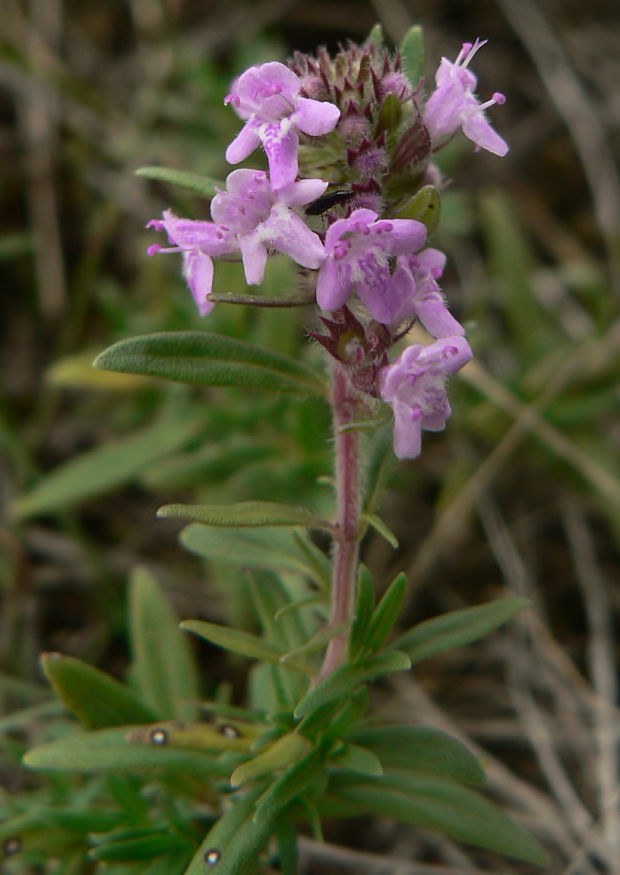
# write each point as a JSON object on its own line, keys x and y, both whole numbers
{"x": 520, "y": 495}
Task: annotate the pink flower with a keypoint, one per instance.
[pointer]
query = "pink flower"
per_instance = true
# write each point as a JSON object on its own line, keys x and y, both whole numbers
{"x": 358, "y": 251}
{"x": 198, "y": 241}
{"x": 419, "y": 295}
{"x": 415, "y": 386}
{"x": 454, "y": 105}
{"x": 249, "y": 218}
{"x": 268, "y": 99}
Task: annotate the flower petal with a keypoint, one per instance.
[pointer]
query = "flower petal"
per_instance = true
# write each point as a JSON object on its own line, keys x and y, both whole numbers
{"x": 254, "y": 255}
{"x": 407, "y": 431}
{"x": 280, "y": 141}
{"x": 198, "y": 273}
{"x": 480, "y": 132}
{"x": 435, "y": 316}
{"x": 315, "y": 117}
{"x": 304, "y": 191}
{"x": 244, "y": 143}
{"x": 291, "y": 236}
{"x": 331, "y": 291}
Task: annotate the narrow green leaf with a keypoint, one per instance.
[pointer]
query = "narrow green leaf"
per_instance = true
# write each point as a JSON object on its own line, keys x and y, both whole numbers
{"x": 95, "y": 698}
{"x": 342, "y": 681}
{"x": 237, "y": 737}
{"x": 292, "y": 607}
{"x": 412, "y": 52}
{"x": 163, "y": 664}
{"x": 91, "y": 821}
{"x": 205, "y": 359}
{"x": 139, "y": 848}
{"x": 386, "y": 612}
{"x": 21, "y": 824}
{"x": 390, "y": 115}
{"x": 245, "y": 514}
{"x": 271, "y": 549}
{"x": 289, "y": 786}
{"x": 105, "y": 468}
{"x": 242, "y": 643}
{"x": 380, "y": 462}
{"x": 316, "y": 642}
{"x": 421, "y": 749}
{"x": 376, "y": 36}
{"x": 437, "y": 804}
{"x": 356, "y": 758}
{"x": 108, "y": 750}
{"x": 287, "y": 848}
{"x": 350, "y": 715}
{"x": 286, "y": 750}
{"x": 364, "y": 605}
{"x": 316, "y": 560}
{"x": 379, "y": 526}
{"x": 424, "y": 207}
{"x": 231, "y": 846}
{"x": 204, "y": 185}
{"x": 458, "y": 627}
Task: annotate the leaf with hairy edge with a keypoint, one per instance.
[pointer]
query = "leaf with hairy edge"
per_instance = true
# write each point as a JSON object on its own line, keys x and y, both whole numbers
{"x": 272, "y": 549}
{"x": 316, "y": 642}
{"x": 163, "y": 664}
{"x": 412, "y": 52}
{"x": 386, "y": 612}
{"x": 95, "y": 698}
{"x": 105, "y": 468}
{"x": 285, "y": 751}
{"x": 443, "y": 805}
{"x": 109, "y": 750}
{"x": 243, "y": 643}
{"x": 289, "y": 786}
{"x": 287, "y": 848}
{"x": 424, "y": 207}
{"x": 355, "y": 758}
{"x": 364, "y": 604}
{"x": 379, "y": 526}
{"x": 205, "y": 359}
{"x": 458, "y": 627}
{"x": 421, "y": 749}
{"x": 381, "y": 460}
{"x": 139, "y": 848}
{"x": 342, "y": 681}
{"x": 204, "y": 185}
{"x": 245, "y": 514}
{"x": 231, "y": 846}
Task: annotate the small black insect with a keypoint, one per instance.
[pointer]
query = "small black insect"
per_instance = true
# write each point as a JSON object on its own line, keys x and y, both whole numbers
{"x": 327, "y": 201}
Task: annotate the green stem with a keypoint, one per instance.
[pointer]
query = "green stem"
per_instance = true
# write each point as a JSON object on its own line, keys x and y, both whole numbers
{"x": 346, "y": 536}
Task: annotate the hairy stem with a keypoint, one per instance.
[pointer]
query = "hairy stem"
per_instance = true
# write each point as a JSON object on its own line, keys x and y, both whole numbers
{"x": 346, "y": 538}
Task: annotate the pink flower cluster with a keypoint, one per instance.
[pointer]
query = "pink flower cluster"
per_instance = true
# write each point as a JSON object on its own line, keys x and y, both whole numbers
{"x": 382, "y": 261}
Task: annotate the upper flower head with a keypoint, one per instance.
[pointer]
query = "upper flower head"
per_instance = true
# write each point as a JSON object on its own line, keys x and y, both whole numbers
{"x": 357, "y": 251}
{"x": 267, "y": 98}
{"x": 415, "y": 386}
{"x": 453, "y": 104}
{"x": 419, "y": 295}
{"x": 249, "y": 218}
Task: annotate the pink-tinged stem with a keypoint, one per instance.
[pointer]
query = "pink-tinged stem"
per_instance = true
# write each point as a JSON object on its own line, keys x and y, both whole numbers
{"x": 346, "y": 536}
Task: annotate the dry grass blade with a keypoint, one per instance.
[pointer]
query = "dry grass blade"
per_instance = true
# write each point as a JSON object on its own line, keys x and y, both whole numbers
{"x": 601, "y": 653}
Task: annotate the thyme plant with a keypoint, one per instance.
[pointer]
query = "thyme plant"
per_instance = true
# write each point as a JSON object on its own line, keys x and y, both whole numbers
{"x": 352, "y": 196}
